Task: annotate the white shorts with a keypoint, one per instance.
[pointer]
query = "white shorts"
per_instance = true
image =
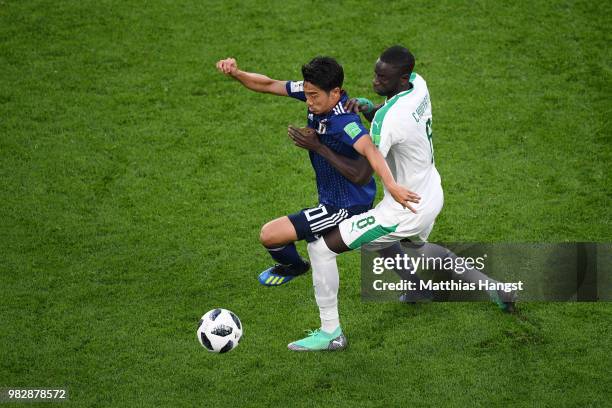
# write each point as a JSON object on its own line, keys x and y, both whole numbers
{"x": 389, "y": 222}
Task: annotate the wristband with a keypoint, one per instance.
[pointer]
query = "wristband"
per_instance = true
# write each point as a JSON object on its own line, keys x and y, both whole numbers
{"x": 367, "y": 102}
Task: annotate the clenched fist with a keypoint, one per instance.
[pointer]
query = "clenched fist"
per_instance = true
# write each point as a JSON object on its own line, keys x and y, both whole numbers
{"x": 228, "y": 66}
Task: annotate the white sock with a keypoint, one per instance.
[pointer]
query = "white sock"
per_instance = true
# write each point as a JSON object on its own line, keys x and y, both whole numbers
{"x": 326, "y": 281}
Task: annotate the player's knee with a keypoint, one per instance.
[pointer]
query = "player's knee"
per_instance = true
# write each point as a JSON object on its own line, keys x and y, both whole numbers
{"x": 267, "y": 236}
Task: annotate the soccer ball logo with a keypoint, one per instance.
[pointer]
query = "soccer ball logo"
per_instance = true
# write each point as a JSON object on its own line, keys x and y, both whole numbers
{"x": 219, "y": 331}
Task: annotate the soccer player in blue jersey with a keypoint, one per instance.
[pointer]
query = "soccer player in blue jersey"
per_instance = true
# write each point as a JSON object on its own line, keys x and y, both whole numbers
{"x": 345, "y": 139}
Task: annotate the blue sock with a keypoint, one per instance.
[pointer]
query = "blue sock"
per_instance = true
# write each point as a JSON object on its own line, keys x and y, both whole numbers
{"x": 286, "y": 255}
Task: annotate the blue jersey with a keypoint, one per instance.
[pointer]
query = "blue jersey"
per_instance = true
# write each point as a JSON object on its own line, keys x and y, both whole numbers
{"x": 338, "y": 130}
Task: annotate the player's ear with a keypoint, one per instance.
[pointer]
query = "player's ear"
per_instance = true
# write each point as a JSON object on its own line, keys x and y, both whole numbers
{"x": 336, "y": 92}
{"x": 405, "y": 78}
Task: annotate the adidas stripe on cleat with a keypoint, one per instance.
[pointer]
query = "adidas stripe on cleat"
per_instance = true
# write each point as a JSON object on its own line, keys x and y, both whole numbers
{"x": 275, "y": 280}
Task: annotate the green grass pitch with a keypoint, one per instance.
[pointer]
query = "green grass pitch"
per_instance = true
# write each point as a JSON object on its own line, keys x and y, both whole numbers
{"x": 134, "y": 180}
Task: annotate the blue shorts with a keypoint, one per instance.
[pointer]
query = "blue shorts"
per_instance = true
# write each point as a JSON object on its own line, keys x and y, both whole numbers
{"x": 311, "y": 223}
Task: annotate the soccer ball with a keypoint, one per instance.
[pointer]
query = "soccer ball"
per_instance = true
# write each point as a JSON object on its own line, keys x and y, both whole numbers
{"x": 219, "y": 330}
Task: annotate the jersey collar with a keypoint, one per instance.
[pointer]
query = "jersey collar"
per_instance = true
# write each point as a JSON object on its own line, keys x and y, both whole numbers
{"x": 399, "y": 95}
{"x": 339, "y": 108}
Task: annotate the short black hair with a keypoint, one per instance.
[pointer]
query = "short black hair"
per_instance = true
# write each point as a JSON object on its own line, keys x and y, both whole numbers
{"x": 399, "y": 57}
{"x": 323, "y": 72}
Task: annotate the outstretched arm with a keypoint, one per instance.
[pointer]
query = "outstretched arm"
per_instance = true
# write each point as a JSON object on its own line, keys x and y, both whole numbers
{"x": 357, "y": 170}
{"x": 253, "y": 81}
{"x": 403, "y": 196}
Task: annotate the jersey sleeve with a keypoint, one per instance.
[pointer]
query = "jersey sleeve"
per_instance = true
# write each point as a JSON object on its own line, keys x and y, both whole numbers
{"x": 349, "y": 127}
{"x": 295, "y": 89}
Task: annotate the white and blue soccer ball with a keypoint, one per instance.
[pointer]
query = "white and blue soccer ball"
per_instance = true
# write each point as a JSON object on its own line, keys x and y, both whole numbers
{"x": 219, "y": 331}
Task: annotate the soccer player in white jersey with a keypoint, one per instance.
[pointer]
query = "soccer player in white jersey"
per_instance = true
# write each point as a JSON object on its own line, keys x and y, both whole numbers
{"x": 401, "y": 129}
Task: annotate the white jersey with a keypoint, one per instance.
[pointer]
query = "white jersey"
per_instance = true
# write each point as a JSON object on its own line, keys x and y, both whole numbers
{"x": 401, "y": 129}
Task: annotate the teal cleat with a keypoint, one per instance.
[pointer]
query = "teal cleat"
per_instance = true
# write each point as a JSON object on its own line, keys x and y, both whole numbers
{"x": 319, "y": 340}
{"x": 280, "y": 274}
{"x": 504, "y": 300}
